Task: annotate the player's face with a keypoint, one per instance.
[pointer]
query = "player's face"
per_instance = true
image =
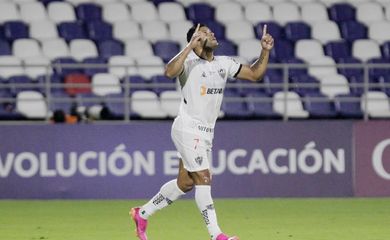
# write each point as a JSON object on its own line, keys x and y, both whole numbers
{"x": 207, "y": 34}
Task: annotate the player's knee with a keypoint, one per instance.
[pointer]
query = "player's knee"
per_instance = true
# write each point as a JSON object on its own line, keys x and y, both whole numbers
{"x": 185, "y": 184}
{"x": 202, "y": 178}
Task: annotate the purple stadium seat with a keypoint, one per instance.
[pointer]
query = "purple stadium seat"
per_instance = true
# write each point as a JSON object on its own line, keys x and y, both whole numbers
{"x": 116, "y": 107}
{"x": 200, "y": 12}
{"x": 2, "y": 35}
{"x": 109, "y": 48}
{"x": 273, "y": 28}
{"x": 157, "y": 2}
{"x": 60, "y": 100}
{"x": 233, "y": 107}
{"x": 226, "y": 47}
{"x": 5, "y": 48}
{"x": 273, "y": 83}
{"x": 386, "y": 50}
{"x": 384, "y": 84}
{"x": 89, "y": 12}
{"x": 376, "y": 73}
{"x": 319, "y": 106}
{"x": 166, "y": 50}
{"x": 283, "y": 50}
{"x": 338, "y": 49}
{"x": 138, "y": 79}
{"x": 7, "y": 108}
{"x": 350, "y": 71}
{"x": 357, "y": 84}
{"x": 217, "y": 28}
{"x": 15, "y": 30}
{"x": 63, "y": 70}
{"x": 341, "y": 12}
{"x": 348, "y": 106}
{"x": 72, "y": 30}
{"x": 305, "y": 84}
{"x": 161, "y": 79}
{"x": 90, "y": 71}
{"x": 245, "y": 87}
{"x": 99, "y": 30}
{"x": 261, "y": 105}
{"x": 352, "y": 30}
{"x": 46, "y": 2}
{"x": 295, "y": 71}
{"x": 295, "y": 31}
{"x": 16, "y": 83}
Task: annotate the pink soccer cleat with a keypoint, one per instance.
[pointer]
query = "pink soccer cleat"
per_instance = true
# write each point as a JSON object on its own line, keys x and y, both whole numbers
{"x": 140, "y": 224}
{"x": 224, "y": 237}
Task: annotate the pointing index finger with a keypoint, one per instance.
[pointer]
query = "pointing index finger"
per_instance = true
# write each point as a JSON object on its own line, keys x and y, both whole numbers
{"x": 197, "y": 27}
{"x": 264, "y": 30}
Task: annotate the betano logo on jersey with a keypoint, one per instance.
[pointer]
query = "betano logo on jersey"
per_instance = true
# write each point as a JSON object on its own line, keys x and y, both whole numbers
{"x": 204, "y": 90}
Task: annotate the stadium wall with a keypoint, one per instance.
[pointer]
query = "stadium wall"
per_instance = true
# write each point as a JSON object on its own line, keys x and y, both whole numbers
{"x": 250, "y": 159}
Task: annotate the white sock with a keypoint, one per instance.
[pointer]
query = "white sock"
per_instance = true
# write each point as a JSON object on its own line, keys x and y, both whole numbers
{"x": 168, "y": 193}
{"x": 206, "y": 206}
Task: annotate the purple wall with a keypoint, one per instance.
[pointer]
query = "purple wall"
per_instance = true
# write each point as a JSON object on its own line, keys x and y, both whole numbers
{"x": 372, "y": 141}
{"x": 250, "y": 159}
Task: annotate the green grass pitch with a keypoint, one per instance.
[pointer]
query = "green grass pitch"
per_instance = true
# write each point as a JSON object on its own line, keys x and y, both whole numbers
{"x": 250, "y": 219}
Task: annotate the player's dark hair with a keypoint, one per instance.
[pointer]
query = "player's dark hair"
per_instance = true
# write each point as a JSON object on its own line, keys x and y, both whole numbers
{"x": 191, "y": 31}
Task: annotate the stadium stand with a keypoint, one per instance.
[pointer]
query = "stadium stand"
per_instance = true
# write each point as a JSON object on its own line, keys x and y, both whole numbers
{"x": 333, "y": 54}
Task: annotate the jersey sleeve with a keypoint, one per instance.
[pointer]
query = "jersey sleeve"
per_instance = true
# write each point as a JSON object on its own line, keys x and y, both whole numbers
{"x": 233, "y": 67}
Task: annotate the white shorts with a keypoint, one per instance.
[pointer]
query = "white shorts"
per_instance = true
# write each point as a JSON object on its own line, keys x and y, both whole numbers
{"x": 193, "y": 149}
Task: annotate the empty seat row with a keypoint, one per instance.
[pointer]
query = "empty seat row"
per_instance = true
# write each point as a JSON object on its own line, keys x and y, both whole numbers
{"x": 146, "y": 104}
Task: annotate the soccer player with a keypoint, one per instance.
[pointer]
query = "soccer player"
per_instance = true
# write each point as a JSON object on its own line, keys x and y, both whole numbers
{"x": 202, "y": 77}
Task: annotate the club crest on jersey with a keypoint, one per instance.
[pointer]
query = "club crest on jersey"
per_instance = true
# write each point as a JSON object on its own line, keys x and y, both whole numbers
{"x": 199, "y": 160}
{"x": 210, "y": 91}
{"x": 222, "y": 72}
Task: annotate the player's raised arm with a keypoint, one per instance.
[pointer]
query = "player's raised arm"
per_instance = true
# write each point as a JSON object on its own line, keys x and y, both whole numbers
{"x": 175, "y": 66}
{"x": 256, "y": 71}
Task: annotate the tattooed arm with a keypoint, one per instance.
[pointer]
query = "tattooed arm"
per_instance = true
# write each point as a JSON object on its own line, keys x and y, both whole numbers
{"x": 256, "y": 71}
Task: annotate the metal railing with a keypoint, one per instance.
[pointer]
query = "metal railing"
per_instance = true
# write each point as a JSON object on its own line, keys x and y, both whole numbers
{"x": 47, "y": 87}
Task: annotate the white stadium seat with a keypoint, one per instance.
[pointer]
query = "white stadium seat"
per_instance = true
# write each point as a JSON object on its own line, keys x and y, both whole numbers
{"x": 147, "y": 104}
{"x": 314, "y": 12}
{"x": 8, "y": 12}
{"x": 369, "y": 12}
{"x": 365, "y": 49}
{"x": 122, "y": 66}
{"x": 105, "y": 83}
{"x": 55, "y": 48}
{"x": 379, "y": 31}
{"x": 144, "y": 11}
{"x": 138, "y": 48}
{"x": 42, "y": 66}
{"x": 26, "y": 47}
{"x": 170, "y": 102}
{"x": 31, "y": 104}
{"x": 308, "y": 48}
{"x": 333, "y": 85}
{"x": 325, "y": 66}
{"x": 239, "y": 31}
{"x": 226, "y": 12}
{"x": 376, "y": 105}
{"x": 42, "y": 30}
{"x": 171, "y": 12}
{"x": 61, "y": 12}
{"x": 125, "y": 30}
{"x": 32, "y": 11}
{"x": 154, "y": 30}
{"x": 286, "y": 12}
{"x": 326, "y": 31}
{"x": 256, "y": 12}
{"x": 81, "y": 49}
{"x": 9, "y": 71}
{"x": 294, "y": 106}
{"x": 149, "y": 66}
{"x": 116, "y": 12}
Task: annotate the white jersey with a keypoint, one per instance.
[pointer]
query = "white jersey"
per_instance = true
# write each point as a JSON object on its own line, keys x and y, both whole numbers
{"x": 202, "y": 93}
